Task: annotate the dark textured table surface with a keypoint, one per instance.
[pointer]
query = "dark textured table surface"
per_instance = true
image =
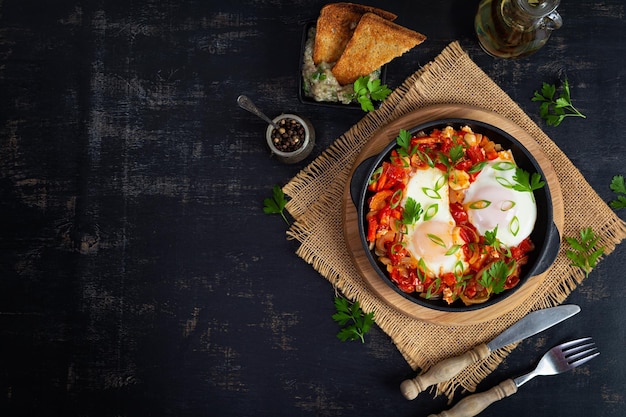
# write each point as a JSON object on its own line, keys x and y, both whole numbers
{"x": 139, "y": 274}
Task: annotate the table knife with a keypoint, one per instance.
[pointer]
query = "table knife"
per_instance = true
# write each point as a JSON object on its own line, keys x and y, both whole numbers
{"x": 530, "y": 325}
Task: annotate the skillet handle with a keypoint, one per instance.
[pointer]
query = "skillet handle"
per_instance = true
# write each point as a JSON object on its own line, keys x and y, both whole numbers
{"x": 360, "y": 179}
{"x": 553, "y": 246}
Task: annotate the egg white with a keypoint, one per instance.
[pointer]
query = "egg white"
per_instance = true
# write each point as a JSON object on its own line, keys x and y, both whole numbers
{"x": 435, "y": 233}
{"x": 491, "y": 204}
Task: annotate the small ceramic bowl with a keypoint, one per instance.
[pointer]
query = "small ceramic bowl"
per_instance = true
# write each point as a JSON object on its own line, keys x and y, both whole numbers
{"x": 304, "y": 144}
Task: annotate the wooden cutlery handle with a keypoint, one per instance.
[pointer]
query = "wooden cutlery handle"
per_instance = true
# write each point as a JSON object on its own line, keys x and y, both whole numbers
{"x": 443, "y": 371}
{"x": 474, "y": 404}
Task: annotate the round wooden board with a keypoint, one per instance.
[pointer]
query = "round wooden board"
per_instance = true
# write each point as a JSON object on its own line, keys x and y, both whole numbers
{"x": 376, "y": 144}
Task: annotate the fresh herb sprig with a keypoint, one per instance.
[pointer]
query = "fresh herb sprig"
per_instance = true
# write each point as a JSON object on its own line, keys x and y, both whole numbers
{"x": 403, "y": 140}
{"x": 354, "y": 321}
{"x": 367, "y": 90}
{"x": 618, "y": 186}
{"x": 555, "y": 110}
{"x": 527, "y": 182}
{"x": 276, "y": 204}
{"x": 584, "y": 253}
{"x": 494, "y": 277}
{"x": 412, "y": 211}
{"x": 491, "y": 239}
{"x": 455, "y": 154}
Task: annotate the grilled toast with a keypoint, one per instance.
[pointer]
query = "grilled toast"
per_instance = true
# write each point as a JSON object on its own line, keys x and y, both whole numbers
{"x": 335, "y": 26}
{"x": 375, "y": 42}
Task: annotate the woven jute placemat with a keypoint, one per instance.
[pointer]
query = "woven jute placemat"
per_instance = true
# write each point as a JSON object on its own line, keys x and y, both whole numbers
{"x": 315, "y": 193}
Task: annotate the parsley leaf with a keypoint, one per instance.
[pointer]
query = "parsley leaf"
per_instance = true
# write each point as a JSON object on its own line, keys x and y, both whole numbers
{"x": 618, "y": 186}
{"x": 456, "y": 153}
{"x": 378, "y": 91}
{"x": 404, "y": 142}
{"x": 276, "y": 204}
{"x": 490, "y": 237}
{"x": 412, "y": 211}
{"x": 367, "y": 90}
{"x": 526, "y": 182}
{"x": 494, "y": 277}
{"x": 584, "y": 253}
{"x": 555, "y": 111}
{"x": 355, "y": 323}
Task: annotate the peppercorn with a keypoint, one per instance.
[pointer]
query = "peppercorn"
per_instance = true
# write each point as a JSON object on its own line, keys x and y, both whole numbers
{"x": 289, "y": 136}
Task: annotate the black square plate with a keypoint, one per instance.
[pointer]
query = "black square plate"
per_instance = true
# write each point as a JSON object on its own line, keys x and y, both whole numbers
{"x": 308, "y": 100}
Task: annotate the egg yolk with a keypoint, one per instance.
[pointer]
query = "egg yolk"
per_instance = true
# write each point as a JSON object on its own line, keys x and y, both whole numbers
{"x": 431, "y": 241}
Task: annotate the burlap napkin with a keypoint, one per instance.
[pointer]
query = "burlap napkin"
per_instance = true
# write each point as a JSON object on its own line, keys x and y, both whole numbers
{"x": 316, "y": 193}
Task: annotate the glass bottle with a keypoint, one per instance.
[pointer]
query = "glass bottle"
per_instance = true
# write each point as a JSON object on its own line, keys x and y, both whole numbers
{"x": 515, "y": 28}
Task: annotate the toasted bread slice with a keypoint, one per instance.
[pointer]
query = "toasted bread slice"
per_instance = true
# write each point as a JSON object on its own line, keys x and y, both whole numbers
{"x": 375, "y": 42}
{"x": 335, "y": 25}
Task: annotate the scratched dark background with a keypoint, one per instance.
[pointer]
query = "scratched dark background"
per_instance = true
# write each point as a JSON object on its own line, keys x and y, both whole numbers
{"x": 139, "y": 275}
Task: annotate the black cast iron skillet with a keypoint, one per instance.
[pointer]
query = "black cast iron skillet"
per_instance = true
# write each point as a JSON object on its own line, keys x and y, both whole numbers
{"x": 545, "y": 234}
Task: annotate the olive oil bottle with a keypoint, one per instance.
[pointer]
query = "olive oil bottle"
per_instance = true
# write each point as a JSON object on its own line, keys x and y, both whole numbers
{"x": 515, "y": 28}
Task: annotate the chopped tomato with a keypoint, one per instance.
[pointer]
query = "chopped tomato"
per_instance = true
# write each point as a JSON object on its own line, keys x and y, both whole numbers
{"x": 464, "y": 165}
{"x": 389, "y": 177}
{"x": 449, "y": 279}
{"x": 403, "y": 279}
{"x": 372, "y": 227}
{"x": 458, "y": 213}
{"x": 522, "y": 249}
{"x": 492, "y": 154}
{"x": 475, "y": 154}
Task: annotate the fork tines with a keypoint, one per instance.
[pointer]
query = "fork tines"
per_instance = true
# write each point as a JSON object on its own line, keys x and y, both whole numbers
{"x": 577, "y": 352}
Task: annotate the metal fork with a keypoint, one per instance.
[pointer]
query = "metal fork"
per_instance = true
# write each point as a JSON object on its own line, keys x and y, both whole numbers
{"x": 561, "y": 358}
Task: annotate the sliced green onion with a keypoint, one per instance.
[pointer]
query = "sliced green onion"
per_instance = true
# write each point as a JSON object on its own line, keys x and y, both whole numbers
{"x": 514, "y": 226}
{"x": 503, "y": 166}
{"x": 436, "y": 240}
{"x": 480, "y": 204}
{"x": 437, "y": 283}
{"x": 376, "y": 175}
{"x": 453, "y": 249}
{"x": 506, "y": 183}
{"x": 459, "y": 269}
{"x": 477, "y": 167}
{"x": 394, "y": 250}
{"x": 431, "y": 212}
{"x": 441, "y": 182}
{"x": 473, "y": 246}
{"x": 421, "y": 270}
{"x": 512, "y": 266}
{"x": 396, "y": 199}
{"x": 402, "y": 228}
{"x": 425, "y": 157}
{"x": 431, "y": 193}
{"x": 507, "y": 205}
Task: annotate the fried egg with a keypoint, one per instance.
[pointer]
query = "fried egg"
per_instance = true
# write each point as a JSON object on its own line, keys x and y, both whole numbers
{"x": 434, "y": 237}
{"x": 491, "y": 202}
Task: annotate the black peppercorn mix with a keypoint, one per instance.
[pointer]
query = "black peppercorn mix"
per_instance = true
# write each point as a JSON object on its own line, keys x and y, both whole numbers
{"x": 289, "y": 136}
